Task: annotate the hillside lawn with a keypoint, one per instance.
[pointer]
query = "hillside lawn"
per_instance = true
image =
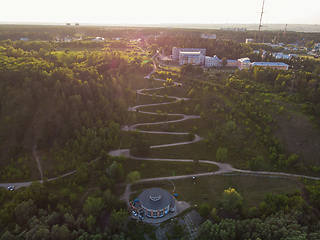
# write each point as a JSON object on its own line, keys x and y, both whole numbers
{"x": 210, "y": 189}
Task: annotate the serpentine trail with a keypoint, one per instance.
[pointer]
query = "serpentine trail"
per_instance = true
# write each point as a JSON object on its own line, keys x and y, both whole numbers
{"x": 223, "y": 167}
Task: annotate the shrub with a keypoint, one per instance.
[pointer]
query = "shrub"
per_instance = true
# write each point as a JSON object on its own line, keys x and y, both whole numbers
{"x": 191, "y": 136}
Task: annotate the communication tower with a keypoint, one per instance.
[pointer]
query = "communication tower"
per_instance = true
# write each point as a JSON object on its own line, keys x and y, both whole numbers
{"x": 260, "y": 21}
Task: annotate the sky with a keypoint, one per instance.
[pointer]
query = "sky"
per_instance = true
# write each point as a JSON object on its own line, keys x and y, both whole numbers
{"x": 157, "y": 12}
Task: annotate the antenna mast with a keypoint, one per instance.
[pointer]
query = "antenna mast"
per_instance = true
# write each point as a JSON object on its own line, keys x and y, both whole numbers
{"x": 285, "y": 30}
{"x": 260, "y": 21}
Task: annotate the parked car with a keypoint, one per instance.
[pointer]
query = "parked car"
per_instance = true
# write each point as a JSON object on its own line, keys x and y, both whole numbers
{"x": 11, "y": 188}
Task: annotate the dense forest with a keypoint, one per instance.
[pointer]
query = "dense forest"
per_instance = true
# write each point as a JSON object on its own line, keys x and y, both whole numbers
{"x": 49, "y": 33}
{"x": 69, "y": 105}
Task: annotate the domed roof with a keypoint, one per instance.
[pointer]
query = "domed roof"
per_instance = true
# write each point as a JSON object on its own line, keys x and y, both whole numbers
{"x": 156, "y": 199}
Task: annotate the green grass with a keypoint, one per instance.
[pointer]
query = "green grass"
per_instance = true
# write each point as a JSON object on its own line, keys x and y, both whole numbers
{"x": 177, "y": 91}
{"x": 252, "y": 189}
{"x": 210, "y": 189}
{"x": 298, "y": 135}
{"x": 152, "y": 169}
{"x": 155, "y": 139}
{"x": 202, "y": 151}
{"x": 145, "y": 99}
{"x": 184, "y": 126}
{"x": 173, "y": 107}
{"x": 139, "y": 82}
{"x": 148, "y": 118}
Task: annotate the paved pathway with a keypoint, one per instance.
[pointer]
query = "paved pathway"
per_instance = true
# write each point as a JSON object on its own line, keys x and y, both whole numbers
{"x": 223, "y": 167}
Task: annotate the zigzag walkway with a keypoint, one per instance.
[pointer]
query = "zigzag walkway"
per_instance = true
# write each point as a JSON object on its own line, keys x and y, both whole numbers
{"x": 223, "y": 167}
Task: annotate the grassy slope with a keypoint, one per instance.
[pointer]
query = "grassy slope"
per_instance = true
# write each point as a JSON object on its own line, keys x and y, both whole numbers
{"x": 152, "y": 169}
{"x": 210, "y": 189}
{"x": 298, "y": 135}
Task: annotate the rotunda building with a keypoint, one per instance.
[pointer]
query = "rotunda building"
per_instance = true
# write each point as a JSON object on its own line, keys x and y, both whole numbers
{"x": 156, "y": 202}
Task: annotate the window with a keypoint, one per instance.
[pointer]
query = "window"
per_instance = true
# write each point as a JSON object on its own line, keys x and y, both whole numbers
{"x": 155, "y": 214}
{"x": 160, "y": 213}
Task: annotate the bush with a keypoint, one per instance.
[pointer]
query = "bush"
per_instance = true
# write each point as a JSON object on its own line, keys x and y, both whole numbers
{"x": 204, "y": 210}
{"x": 191, "y": 136}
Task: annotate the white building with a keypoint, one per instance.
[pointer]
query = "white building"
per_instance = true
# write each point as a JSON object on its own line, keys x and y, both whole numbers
{"x": 175, "y": 51}
{"x": 275, "y": 65}
{"x": 208, "y": 36}
{"x": 243, "y": 63}
{"x": 232, "y": 63}
{"x": 98, "y": 39}
{"x": 234, "y": 29}
{"x": 212, "y": 61}
{"x": 195, "y": 58}
{"x": 280, "y": 55}
{"x": 249, "y": 40}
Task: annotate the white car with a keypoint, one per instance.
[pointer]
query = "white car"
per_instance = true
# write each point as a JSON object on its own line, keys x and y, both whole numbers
{"x": 11, "y": 188}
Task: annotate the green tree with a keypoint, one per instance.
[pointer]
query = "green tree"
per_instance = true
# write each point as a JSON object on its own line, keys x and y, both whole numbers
{"x": 24, "y": 211}
{"x": 133, "y": 177}
{"x": 224, "y": 61}
{"x": 231, "y": 125}
{"x": 256, "y": 162}
{"x": 93, "y": 206}
{"x": 198, "y": 70}
{"x": 204, "y": 210}
{"x": 191, "y": 136}
{"x": 222, "y": 154}
{"x": 139, "y": 142}
{"x": 38, "y": 192}
{"x": 197, "y": 109}
{"x": 106, "y": 183}
{"x": 117, "y": 220}
{"x": 214, "y": 215}
{"x": 91, "y": 221}
{"x": 115, "y": 170}
{"x": 231, "y": 201}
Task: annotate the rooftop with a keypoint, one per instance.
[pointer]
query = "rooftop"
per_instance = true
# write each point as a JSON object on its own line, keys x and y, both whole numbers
{"x": 156, "y": 199}
{"x": 190, "y": 53}
{"x": 244, "y": 59}
{"x": 269, "y": 64}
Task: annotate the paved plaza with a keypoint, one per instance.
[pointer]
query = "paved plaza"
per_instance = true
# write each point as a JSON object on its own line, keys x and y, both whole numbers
{"x": 190, "y": 222}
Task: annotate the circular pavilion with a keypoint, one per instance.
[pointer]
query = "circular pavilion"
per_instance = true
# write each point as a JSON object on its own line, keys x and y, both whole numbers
{"x": 156, "y": 202}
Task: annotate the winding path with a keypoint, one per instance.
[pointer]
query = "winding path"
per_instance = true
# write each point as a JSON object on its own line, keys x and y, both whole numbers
{"x": 223, "y": 167}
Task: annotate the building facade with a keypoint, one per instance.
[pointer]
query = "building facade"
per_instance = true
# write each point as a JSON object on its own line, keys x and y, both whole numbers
{"x": 208, "y": 36}
{"x": 212, "y": 61}
{"x": 274, "y": 65}
{"x": 153, "y": 203}
{"x": 232, "y": 63}
{"x": 195, "y": 58}
{"x": 175, "y": 51}
{"x": 243, "y": 63}
{"x": 249, "y": 40}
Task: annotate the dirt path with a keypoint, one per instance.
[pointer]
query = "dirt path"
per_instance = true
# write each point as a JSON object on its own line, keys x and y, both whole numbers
{"x": 87, "y": 193}
{"x": 38, "y": 162}
{"x": 126, "y": 196}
